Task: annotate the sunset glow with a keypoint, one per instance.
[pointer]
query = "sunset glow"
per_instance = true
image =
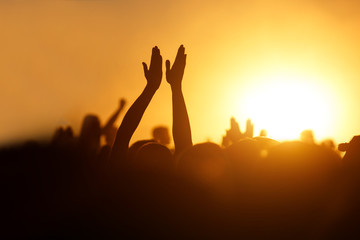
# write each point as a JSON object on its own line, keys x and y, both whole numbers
{"x": 157, "y": 119}
{"x": 287, "y": 65}
{"x": 286, "y": 105}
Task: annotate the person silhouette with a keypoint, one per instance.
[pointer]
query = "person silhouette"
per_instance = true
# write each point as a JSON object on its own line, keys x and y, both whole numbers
{"x": 90, "y": 133}
{"x": 307, "y": 136}
{"x": 161, "y": 135}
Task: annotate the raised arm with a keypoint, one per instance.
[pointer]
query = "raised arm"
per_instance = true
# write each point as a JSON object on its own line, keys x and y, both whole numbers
{"x": 153, "y": 75}
{"x": 181, "y": 124}
{"x": 113, "y": 117}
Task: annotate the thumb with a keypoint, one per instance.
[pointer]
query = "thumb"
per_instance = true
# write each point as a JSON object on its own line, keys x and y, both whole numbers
{"x": 145, "y": 69}
{"x": 167, "y": 64}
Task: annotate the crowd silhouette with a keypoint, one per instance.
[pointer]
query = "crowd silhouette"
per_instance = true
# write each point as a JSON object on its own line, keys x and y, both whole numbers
{"x": 247, "y": 187}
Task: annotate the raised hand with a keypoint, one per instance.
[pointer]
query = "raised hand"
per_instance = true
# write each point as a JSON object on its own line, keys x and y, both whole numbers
{"x": 181, "y": 124}
{"x": 175, "y": 73}
{"x": 133, "y": 116}
{"x": 153, "y": 74}
{"x": 234, "y": 133}
{"x": 122, "y": 103}
{"x": 249, "y": 129}
{"x": 352, "y": 155}
{"x": 109, "y": 128}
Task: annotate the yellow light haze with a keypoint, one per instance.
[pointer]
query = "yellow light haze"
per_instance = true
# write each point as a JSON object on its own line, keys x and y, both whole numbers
{"x": 60, "y": 60}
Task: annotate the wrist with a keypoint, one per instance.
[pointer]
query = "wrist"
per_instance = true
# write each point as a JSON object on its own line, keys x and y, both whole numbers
{"x": 175, "y": 87}
{"x": 149, "y": 88}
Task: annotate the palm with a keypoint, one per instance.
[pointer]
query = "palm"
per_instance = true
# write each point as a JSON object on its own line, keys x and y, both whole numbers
{"x": 153, "y": 75}
{"x": 175, "y": 73}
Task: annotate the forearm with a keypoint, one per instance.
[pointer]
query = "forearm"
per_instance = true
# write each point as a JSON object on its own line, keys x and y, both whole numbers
{"x": 112, "y": 120}
{"x": 130, "y": 123}
{"x": 181, "y": 123}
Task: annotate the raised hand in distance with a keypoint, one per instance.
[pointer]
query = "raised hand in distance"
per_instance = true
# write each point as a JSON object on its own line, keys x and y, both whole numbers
{"x": 249, "y": 129}
{"x": 122, "y": 103}
{"x": 234, "y": 133}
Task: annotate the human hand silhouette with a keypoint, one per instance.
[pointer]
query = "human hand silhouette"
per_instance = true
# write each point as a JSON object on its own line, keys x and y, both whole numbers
{"x": 234, "y": 132}
{"x": 249, "y": 129}
{"x": 353, "y": 145}
{"x": 175, "y": 73}
{"x": 352, "y": 155}
{"x": 153, "y": 74}
{"x": 122, "y": 103}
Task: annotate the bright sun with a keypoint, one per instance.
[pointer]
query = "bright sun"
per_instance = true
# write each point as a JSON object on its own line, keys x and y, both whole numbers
{"x": 286, "y": 105}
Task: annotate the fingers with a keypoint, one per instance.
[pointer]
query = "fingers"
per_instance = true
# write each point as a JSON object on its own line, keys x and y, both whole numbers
{"x": 156, "y": 59}
{"x": 249, "y": 128}
{"x": 180, "y": 56}
{"x": 343, "y": 147}
{"x": 167, "y": 65}
{"x": 248, "y": 123}
{"x": 145, "y": 69}
{"x": 176, "y": 70}
{"x": 160, "y": 59}
{"x": 156, "y": 51}
{"x": 181, "y": 51}
{"x": 155, "y": 55}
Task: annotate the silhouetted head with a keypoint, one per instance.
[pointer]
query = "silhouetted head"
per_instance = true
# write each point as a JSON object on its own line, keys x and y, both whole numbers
{"x": 266, "y": 143}
{"x": 161, "y": 135}
{"x": 307, "y": 136}
{"x": 135, "y": 147}
{"x": 298, "y": 156}
{"x": 203, "y": 162}
{"x": 329, "y": 143}
{"x": 263, "y": 133}
{"x": 90, "y": 133}
{"x": 248, "y": 152}
{"x": 63, "y": 137}
{"x": 154, "y": 156}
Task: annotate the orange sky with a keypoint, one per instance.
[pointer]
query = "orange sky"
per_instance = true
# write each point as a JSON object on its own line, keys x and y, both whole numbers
{"x": 62, "y": 59}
